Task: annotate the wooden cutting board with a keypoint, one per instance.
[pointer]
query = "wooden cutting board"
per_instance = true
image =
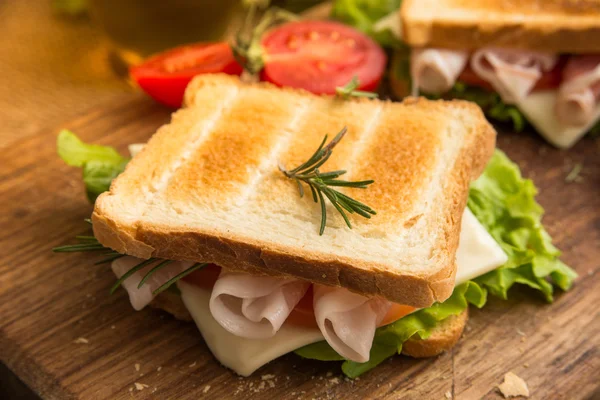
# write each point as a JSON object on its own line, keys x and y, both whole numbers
{"x": 49, "y": 301}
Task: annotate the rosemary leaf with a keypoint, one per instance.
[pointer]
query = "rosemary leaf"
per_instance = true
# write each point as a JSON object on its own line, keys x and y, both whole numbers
{"x": 109, "y": 259}
{"x": 75, "y": 248}
{"x": 86, "y": 238}
{"x": 323, "y": 212}
{"x": 349, "y": 90}
{"x": 177, "y": 277}
{"x": 131, "y": 272}
{"x": 153, "y": 270}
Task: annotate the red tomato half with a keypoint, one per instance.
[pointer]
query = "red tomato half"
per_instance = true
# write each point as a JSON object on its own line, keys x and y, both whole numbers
{"x": 166, "y": 75}
{"x": 318, "y": 56}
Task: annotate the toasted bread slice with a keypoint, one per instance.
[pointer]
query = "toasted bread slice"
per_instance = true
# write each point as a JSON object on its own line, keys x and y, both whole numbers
{"x": 557, "y": 26}
{"x": 444, "y": 336}
{"x": 207, "y": 188}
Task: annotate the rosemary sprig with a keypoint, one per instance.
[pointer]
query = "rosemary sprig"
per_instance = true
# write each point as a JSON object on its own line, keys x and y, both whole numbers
{"x": 153, "y": 270}
{"x": 131, "y": 272}
{"x": 321, "y": 184}
{"x": 179, "y": 276}
{"x": 349, "y": 90}
{"x": 90, "y": 243}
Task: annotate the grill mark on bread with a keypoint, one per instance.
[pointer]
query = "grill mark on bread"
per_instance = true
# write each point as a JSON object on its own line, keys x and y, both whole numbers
{"x": 269, "y": 163}
{"x": 223, "y": 165}
{"x": 326, "y": 117}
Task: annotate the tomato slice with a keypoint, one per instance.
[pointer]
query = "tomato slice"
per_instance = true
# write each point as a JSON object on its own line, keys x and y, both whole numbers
{"x": 318, "y": 56}
{"x": 304, "y": 315}
{"x": 205, "y": 277}
{"x": 166, "y": 75}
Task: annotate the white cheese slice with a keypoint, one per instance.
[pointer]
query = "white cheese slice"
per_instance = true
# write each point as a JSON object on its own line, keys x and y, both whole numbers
{"x": 242, "y": 355}
{"x": 477, "y": 254}
{"x": 538, "y": 107}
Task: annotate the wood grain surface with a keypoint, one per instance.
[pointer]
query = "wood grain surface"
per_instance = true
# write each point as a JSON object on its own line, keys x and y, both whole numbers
{"x": 48, "y": 301}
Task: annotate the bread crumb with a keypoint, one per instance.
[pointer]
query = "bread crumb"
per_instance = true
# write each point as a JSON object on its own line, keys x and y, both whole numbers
{"x": 140, "y": 386}
{"x": 142, "y": 374}
{"x": 513, "y": 386}
{"x": 520, "y": 332}
{"x": 521, "y": 349}
{"x": 334, "y": 381}
{"x": 137, "y": 367}
{"x": 328, "y": 374}
{"x": 448, "y": 395}
{"x": 267, "y": 377}
{"x": 112, "y": 327}
{"x": 206, "y": 389}
{"x": 526, "y": 365}
{"x": 158, "y": 369}
{"x": 324, "y": 276}
{"x": 523, "y": 338}
{"x": 192, "y": 365}
{"x": 81, "y": 340}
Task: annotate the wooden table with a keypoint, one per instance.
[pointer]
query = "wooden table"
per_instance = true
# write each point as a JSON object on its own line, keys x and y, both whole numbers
{"x": 49, "y": 301}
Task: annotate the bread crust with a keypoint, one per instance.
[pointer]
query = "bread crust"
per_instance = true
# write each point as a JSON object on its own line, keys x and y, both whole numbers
{"x": 562, "y": 27}
{"x": 242, "y": 253}
{"x": 445, "y": 335}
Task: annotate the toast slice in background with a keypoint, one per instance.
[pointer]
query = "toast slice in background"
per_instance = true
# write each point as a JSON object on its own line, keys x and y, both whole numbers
{"x": 207, "y": 188}
{"x": 557, "y": 26}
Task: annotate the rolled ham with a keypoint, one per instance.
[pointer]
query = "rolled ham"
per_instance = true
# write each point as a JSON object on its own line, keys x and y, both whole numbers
{"x": 254, "y": 307}
{"x": 512, "y": 73}
{"x": 141, "y": 297}
{"x": 579, "y": 93}
{"x": 435, "y": 71}
{"x": 348, "y": 320}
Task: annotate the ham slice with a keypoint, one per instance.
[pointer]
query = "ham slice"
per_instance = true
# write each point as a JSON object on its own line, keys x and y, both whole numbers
{"x": 435, "y": 71}
{"x": 512, "y": 73}
{"x": 579, "y": 93}
{"x": 254, "y": 307}
{"x": 141, "y": 297}
{"x": 348, "y": 320}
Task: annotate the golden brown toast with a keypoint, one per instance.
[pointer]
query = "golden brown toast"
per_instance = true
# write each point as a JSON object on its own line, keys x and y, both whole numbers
{"x": 556, "y": 26}
{"x": 207, "y": 188}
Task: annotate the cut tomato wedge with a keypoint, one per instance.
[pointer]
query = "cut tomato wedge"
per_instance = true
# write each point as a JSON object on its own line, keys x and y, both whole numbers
{"x": 205, "y": 277}
{"x": 166, "y": 75}
{"x": 319, "y": 56}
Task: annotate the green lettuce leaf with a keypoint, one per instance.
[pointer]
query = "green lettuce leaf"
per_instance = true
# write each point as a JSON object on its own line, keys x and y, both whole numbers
{"x": 99, "y": 164}
{"x": 491, "y": 104}
{"x": 389, "y": 339}
{"x": 364, "y": 14}
{"x": 505, "y": 204}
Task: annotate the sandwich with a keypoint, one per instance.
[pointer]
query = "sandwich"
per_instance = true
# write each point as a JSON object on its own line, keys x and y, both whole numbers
{"x": 243, "y": 215}
{"x": 524, "y": 62}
